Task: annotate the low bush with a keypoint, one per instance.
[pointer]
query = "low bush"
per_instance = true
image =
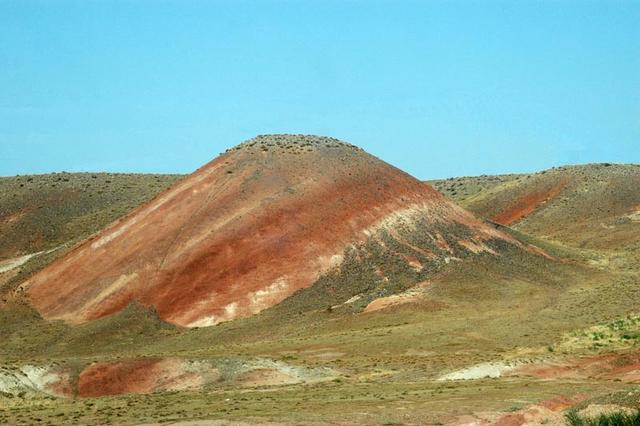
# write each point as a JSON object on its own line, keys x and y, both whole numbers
{"x": 611, "y": 419}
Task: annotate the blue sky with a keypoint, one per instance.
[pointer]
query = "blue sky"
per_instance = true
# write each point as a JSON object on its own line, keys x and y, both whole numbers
{"x": 436, "y": 88}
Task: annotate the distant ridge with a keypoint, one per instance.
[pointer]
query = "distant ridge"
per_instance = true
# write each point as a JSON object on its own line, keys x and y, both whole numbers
{"x": 591, "y": 205}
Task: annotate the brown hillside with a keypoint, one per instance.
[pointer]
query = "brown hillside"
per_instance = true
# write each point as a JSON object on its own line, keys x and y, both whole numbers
{"x": 593, "y": 206}
{"x": 41, "y": 212}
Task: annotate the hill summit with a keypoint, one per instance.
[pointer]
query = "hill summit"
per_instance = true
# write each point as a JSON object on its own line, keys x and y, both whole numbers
{"x": 277, "y": 216}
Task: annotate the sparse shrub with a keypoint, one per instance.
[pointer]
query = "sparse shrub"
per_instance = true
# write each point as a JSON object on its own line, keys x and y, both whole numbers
{"x": 611, "y": 419}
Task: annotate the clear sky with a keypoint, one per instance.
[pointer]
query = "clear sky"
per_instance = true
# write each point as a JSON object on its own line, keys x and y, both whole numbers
{"x": 436, "y": 88}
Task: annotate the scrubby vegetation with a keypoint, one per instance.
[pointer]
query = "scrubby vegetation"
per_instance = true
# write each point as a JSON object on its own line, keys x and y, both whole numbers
{"x": 41, "y": 212}
{"x": 291, "y": 144}
{"x": 611, "y": 419}
{"x": 589, "y": 206}
{"x": 620, "y": 333}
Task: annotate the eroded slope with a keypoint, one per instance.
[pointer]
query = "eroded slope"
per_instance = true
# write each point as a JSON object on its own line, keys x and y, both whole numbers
{"x": 592, "y": 206}
{"x": 256, "y": 225}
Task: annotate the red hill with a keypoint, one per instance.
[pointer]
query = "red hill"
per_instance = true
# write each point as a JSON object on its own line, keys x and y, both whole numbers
{"x": 259, "y": 223}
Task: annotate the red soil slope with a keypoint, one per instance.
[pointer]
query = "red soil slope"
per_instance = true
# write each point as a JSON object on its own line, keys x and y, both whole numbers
{"x": 614, "y": 366}
{"x": 588, "y": 206}
{"x": 243, "y": 233}
{"x": 141, "y": 376}
{"x": 528, "y": 203}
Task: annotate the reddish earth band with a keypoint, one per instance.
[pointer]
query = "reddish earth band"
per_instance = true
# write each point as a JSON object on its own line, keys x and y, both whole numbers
{"x": 242, "y": 234}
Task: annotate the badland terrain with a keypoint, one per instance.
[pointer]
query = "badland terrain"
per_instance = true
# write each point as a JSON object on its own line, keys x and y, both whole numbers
{"x": 297, "y": 279}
